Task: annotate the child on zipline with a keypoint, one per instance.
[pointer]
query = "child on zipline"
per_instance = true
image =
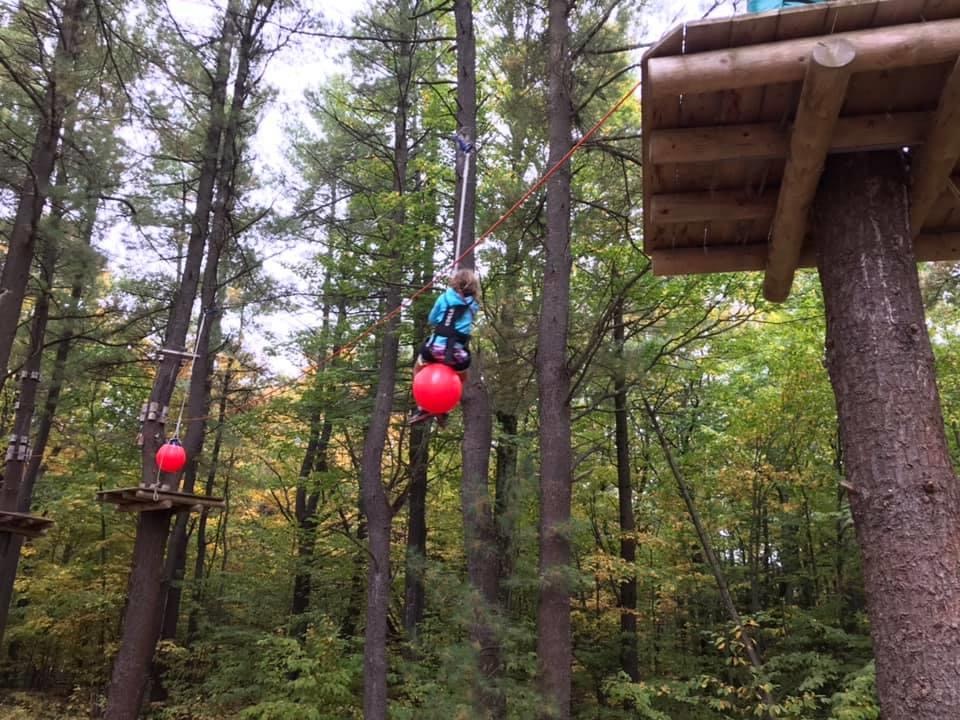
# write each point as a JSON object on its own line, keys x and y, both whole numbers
{"x": 452, "y": 318}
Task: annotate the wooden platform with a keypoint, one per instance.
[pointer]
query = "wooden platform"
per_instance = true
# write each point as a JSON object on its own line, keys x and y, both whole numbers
{"x": 138, "y": 499}
{"x": 738, "y": 117}
{"x": 30, "y": 526}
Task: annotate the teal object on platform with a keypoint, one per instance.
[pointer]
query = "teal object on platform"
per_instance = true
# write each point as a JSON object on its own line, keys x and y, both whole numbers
{"x": 764, "y": 5}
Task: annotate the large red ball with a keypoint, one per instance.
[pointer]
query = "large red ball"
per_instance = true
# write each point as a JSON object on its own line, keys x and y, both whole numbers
{"x": 437, "y": 388}
{"x": 171, "y": 457}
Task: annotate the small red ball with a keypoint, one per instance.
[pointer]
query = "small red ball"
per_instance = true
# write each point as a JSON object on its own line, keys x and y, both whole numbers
{"x": 437, "y": 388}
{"x": 171, "y": 457}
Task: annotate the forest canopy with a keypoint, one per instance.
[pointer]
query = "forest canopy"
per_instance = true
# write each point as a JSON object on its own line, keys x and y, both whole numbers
{"x": 219, "y": 213}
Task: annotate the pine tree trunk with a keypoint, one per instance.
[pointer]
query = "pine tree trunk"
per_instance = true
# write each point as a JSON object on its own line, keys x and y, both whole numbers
{"x": 146, "y": 590}
{"x": 36, "y": 183}
{"x": 554, "y": 643}
{"x": 904, "y": 493}
{"x": 201, "y": 372}
{"x": 416, "y": 554}
{"x": 18, "y": 454}
{"x": 505, "y": 494}
{"x": 376, "y": 504}
{"x": 629, "y": 660}
{"x": 480, "y": 534}
{"x": 199, "y": 566}
{"x": 378, "y": 514}
{"x": 414, "y": 594}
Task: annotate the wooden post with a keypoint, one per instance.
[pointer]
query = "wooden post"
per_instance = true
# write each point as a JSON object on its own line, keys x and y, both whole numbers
{"x": 824, "y": 90}
{"x": 937, "y": 158}
{"x": 785, "y": 61}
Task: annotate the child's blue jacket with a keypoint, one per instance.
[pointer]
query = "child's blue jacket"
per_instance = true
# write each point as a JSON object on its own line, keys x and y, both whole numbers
{"x": 452, "y": 299}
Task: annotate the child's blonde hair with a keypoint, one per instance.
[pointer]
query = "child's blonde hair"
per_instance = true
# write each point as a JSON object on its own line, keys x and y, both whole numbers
{"x": 465, "y": 282}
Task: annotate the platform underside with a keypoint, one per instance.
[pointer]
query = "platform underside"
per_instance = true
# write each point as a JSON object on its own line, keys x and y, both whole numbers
{"x": 719, "y": 117}
{"x": 138, "y": 499}
{"x": 25, "y": 524}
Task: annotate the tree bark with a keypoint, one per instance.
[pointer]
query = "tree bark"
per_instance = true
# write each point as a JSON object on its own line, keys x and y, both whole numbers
{"x": 480, "y": 531}
{"x": 379, "y": 516}
{"x": 18, "y": 452}
{"x": 36, "y": 183}
{"x": 201, "y": 372}
{"x": 629, "y": 659}
{"x": 505, "y": 510}
{"x": 143, "y": 614}
{"x": 416, "y": 555}
{"x": 199, "y": 565}
{"x": 554, "y": 643}
{"x": 376, "y": 504}
{"x": 414, "y": 594}
{"x": 903, "y": 491}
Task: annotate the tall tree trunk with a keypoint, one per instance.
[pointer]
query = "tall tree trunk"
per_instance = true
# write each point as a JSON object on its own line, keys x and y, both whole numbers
{"x": 201, "y": 374}
{"x": 903, "y": 491}
{"x": 376, "y": 504}
{"x": 144, "y": 611}
{"x": 505, "y": 494}
{"x": 414, "y": 593}
{"x": 36, "y": 183}
{"x": 18, "y": 453}
{"x": 199, "y": 566}
{"x": 554, "y": 651}
{"x": 416, "y": 554}
{"x": 379, "y": 516}
{"x": 315, "y": 459}
{"x": 629, "y": 660}
{"x": 480, "y": 530}
{"x": 305, "y": 509}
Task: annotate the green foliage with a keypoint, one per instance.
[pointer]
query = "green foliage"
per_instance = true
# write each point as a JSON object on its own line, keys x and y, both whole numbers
{"x": 858, "y": 700}
{"x": 738, "y": 387}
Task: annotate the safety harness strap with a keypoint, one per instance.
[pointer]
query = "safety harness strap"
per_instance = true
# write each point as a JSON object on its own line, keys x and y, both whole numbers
{"x": 446, "y": 329}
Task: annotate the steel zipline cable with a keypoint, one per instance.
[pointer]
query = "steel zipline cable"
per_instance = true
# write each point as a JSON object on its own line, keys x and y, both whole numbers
{"x": 458, "y": 258}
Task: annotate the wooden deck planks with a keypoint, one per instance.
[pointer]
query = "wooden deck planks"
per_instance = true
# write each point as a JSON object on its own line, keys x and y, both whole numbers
{"x": 30, "y": 526}
{"x": 910, "y": 92}
{"x": 139, "y": 499}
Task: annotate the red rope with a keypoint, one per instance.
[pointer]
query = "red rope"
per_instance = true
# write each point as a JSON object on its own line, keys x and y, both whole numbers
{"x": 456, "y": 261}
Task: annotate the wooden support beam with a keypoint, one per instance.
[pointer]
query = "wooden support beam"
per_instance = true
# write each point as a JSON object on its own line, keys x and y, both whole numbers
{"x": 146, "y": 506}
{"x": 824, "y": 90}
{"x": 771, "y": 141}
{"x": 885, "y": 48}
{"x": 932, "y": 247}
{"x": 936, "y": 159}
{"x": 671, "y": 208}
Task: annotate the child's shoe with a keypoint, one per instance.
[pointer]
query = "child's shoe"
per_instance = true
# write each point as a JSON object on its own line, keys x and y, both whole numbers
{"x": 418, "y": 416}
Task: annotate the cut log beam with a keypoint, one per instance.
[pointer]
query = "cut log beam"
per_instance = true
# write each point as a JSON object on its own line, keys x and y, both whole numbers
{"x": 937, "y": 158}
{"x": 139, "y": 499}
{"x": 771, "y": 141}
{"x": 886, "y": 48}
{"x": 671, "y": 208}
{"x": 824, "y": 89}
{"x": 146, "y": 506}
{"x": 932, "y": 247}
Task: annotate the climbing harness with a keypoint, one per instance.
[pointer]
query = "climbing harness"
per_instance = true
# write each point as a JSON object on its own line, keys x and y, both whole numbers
{"x": 447, "y": 329}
